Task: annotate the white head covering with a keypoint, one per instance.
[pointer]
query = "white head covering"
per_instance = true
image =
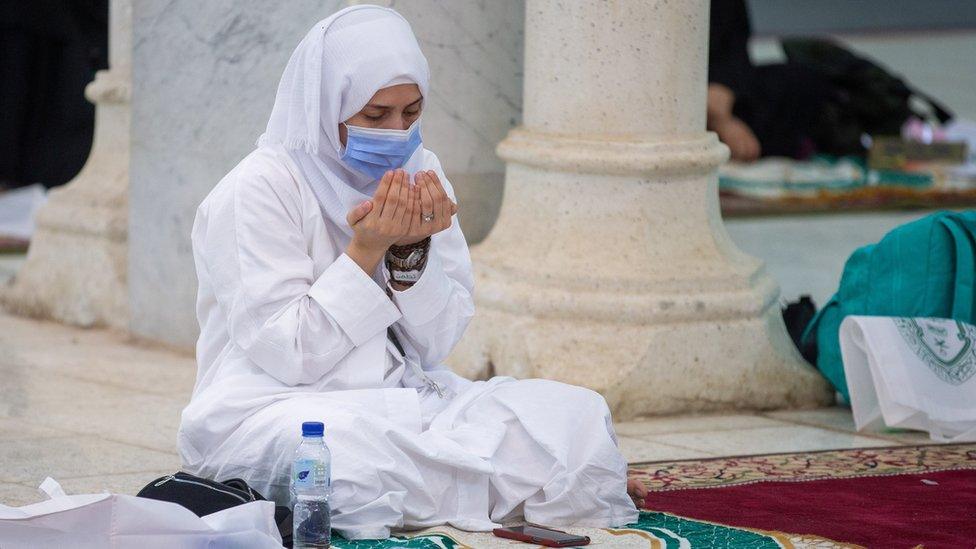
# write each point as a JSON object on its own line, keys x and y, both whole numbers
{"x": 336, "y": 69}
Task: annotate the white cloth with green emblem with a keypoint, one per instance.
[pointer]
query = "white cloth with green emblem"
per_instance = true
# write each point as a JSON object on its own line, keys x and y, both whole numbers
{"x": 912, "y": 373}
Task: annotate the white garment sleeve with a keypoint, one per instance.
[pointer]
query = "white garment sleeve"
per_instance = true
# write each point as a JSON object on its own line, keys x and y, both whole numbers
{"x": 438, "y": 307}
{"x": 294, "y": 326}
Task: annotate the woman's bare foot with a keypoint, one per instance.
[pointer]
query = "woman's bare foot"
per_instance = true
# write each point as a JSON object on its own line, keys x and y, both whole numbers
{"x": 637, "y": 492}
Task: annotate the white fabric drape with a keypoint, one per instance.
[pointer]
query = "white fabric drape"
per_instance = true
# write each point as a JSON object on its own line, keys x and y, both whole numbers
{"x": 292, "y": 330}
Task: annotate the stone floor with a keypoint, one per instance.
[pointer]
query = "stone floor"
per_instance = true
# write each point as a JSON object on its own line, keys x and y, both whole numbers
{"x": 99, "y": 412}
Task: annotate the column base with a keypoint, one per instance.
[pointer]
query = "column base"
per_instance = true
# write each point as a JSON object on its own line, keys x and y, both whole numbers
{"x": 609, "y": 268}
{"x": 646, "y": 363}
{"x": 77, "y": 262}
{"x": 75, "y": 277}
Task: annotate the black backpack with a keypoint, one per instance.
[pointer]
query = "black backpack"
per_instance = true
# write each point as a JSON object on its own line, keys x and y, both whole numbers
{"x": 865, "y": 98}
{"x": 204, "y": 496}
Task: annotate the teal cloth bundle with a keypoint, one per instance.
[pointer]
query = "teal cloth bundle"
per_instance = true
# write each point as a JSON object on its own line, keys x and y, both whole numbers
{"x": 925, "y": 268}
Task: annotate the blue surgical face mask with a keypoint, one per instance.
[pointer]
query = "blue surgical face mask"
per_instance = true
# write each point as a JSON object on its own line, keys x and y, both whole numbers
{"x": 374, "y": 151}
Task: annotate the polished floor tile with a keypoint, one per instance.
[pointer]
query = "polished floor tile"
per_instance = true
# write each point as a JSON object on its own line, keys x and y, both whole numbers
{"x": 690, "y": 424}
{"x": 63, "y": 354}
{"x": 124, "y": 483}
{"x": 834, "y": 418}
{"x": 88, "y": 408}
{"x": 767, "y": 440}
{"x": 17, "y": 428}
{"x": 841, "y": 419}
{"x": 30, "y": 461}
{"x": 902, "y": 436}
{"x": 637, "y": 450}
{"x": 16, "y": 495}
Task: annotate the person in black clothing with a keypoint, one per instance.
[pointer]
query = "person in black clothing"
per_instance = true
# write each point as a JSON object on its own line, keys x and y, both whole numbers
{"x": 49, "y": 51}
{"x": 767, "y": 110}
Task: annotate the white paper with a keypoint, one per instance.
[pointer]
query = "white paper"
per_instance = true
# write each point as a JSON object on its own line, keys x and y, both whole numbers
{"x": 110, "y": 520}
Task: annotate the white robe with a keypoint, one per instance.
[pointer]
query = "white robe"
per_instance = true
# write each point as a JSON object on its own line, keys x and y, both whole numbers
{"x": 293, "y": 330}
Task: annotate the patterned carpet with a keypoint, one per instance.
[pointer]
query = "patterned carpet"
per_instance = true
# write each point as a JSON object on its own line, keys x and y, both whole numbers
{"x": 917, "y": 496}
{"x": 831, "y": 464}
{"x": 731, "y": 503}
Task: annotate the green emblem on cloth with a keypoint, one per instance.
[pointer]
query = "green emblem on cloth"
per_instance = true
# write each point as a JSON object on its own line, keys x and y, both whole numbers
{"x": 945, "y": 346}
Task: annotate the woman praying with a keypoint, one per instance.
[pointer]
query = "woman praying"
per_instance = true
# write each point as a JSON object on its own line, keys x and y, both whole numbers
{"x": 334, "y": 280}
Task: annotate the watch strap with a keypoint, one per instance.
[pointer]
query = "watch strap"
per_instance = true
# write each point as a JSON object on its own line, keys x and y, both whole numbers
{"x": 404, "y": 251}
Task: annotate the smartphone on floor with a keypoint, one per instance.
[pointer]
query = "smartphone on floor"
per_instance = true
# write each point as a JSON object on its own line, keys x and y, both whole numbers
{"x": 542, "y": 536}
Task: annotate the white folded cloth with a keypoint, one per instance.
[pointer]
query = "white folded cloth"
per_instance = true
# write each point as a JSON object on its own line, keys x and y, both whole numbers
{"x": 912, "y": 373}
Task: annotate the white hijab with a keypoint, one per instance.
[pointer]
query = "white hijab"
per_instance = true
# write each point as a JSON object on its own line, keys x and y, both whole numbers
{"x": 342, "y": 61}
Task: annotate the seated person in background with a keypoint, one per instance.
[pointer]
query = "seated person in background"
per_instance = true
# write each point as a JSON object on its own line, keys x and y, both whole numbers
{"x": 768, "y": 110}
{"x": 334, "y": 280}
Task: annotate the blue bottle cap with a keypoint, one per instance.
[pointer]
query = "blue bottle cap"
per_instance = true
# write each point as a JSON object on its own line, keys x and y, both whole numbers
{"x": 313, "y": 429}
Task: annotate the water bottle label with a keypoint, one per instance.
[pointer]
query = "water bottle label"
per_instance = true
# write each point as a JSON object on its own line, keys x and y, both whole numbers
{"x": 310, "y": 473}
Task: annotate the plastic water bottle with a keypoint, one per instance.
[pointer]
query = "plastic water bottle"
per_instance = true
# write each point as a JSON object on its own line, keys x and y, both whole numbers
{"x": 310, "y": 484}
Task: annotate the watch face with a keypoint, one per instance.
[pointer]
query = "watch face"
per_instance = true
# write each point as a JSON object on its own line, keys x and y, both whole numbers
{"x": 414, "y": 257}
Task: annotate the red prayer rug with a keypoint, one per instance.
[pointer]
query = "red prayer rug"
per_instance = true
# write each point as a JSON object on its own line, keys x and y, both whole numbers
{"x": 909, "y": 496}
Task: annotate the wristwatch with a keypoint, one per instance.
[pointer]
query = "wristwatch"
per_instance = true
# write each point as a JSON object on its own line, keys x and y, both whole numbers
{"x": 409, "y": 263}
{"x": 408, "y": 258}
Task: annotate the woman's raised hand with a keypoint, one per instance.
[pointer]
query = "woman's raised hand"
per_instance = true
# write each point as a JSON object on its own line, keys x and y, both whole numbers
{"x": 398, "y": 214}
{"x": 434, "y": 210}
{"x": 379, "y": 223}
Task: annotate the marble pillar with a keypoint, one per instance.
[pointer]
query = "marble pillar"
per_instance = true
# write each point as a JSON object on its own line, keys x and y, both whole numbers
{"x": 204, "y": 81}
{"x": 75, "y": 270}
{"x": 609, "y": 265}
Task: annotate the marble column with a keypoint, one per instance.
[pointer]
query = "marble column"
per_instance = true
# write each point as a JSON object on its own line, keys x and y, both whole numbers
{"x": 609, "y": 266}
{"x": 204, "y": 81}
{"x": 75, "y": 270}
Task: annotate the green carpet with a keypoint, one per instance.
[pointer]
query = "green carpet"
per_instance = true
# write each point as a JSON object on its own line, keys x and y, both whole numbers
{"x": 654, "y": 530}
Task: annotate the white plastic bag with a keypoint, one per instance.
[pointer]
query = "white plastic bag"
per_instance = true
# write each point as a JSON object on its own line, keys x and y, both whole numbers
{"x": 119, "y": 521}
{"x": 911, "y": 373}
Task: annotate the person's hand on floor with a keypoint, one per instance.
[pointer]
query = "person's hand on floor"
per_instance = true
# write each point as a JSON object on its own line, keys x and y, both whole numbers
{"x": 637, "y": 492}
{"x": 739, "y": 138}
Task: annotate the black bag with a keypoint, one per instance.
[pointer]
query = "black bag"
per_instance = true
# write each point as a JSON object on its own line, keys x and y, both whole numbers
{"x": 204, "y": 496}
{"x": 865, "y": 98}
{"x": 797, "y": 315}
